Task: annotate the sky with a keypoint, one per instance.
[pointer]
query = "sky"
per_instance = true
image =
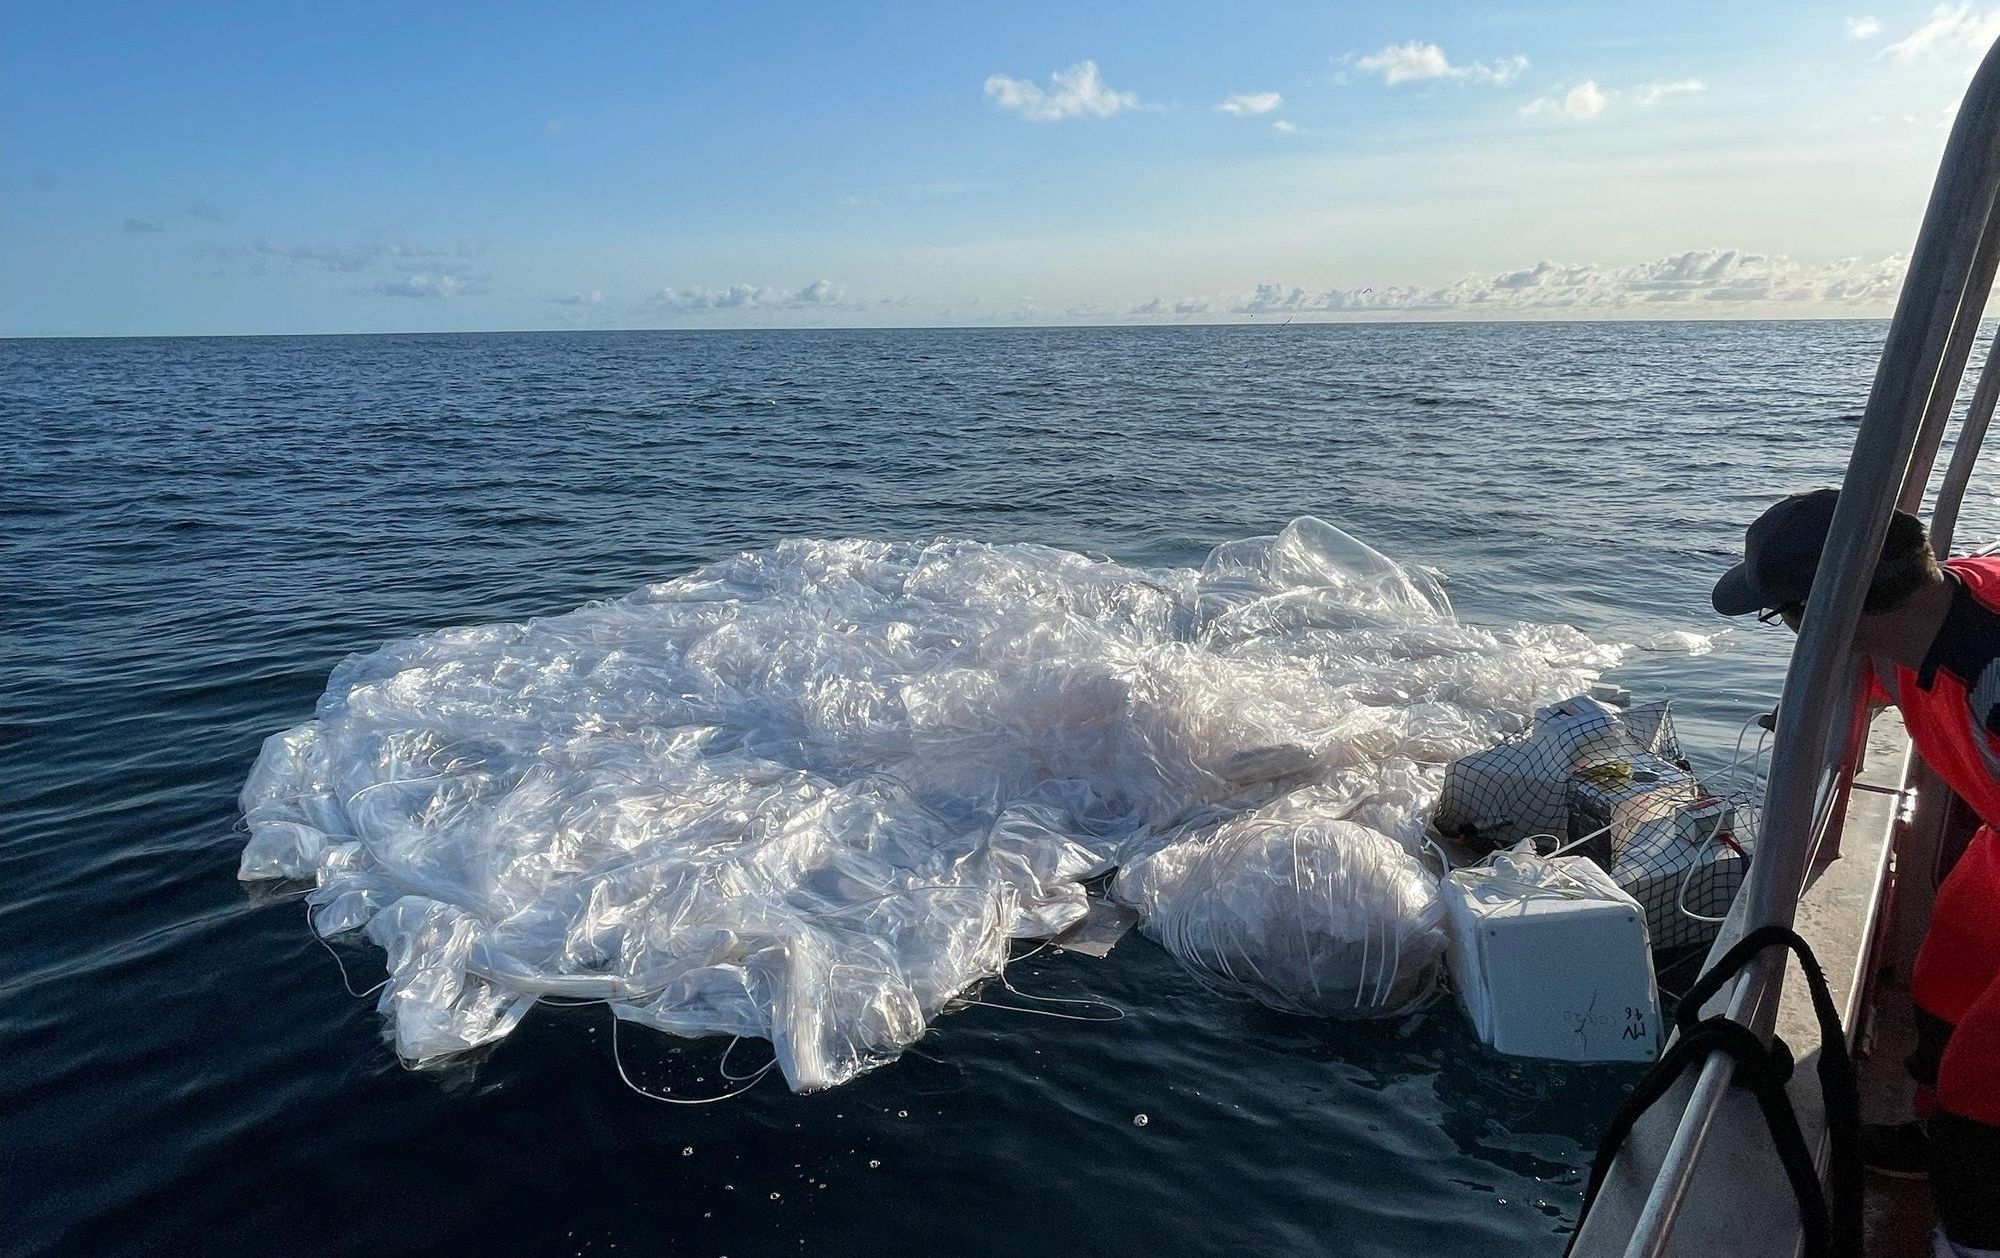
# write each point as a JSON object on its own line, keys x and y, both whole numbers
{"x": 313, "y": 168}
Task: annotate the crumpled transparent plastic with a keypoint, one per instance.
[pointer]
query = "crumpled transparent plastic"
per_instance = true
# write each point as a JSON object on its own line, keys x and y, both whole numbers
{"x": 1301, "y": 907}
{"x": 810, "y": 793}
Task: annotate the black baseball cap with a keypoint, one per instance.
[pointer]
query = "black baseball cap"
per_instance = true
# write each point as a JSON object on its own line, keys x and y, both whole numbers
{"x": 1781, "y": 553}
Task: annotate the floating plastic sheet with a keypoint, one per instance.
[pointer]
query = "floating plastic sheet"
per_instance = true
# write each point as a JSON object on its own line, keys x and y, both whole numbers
{"x": 1308, "y": 911}
{"x": 810, "y": 793}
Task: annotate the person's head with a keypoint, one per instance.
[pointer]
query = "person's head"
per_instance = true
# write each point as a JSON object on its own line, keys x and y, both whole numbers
{"x": 1781, "y": 552}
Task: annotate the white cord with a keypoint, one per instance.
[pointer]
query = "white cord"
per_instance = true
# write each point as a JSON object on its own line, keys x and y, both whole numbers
{"x": 1060, "y": 1000}
{"x": 1680, "y": 901}
{"x": 619, "y": 1061}
{"x": 344, "y": 982}
{"x": 1731, "y": 774}
{"x": 1049, "y": 942}
{"x": 1570, "y": 846}
{"x": 722, "y": 1067}
{"x": 1119, "y": 1014}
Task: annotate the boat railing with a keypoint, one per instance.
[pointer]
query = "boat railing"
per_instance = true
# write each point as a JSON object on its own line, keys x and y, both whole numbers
{"x": 1971, "y": 434}
{"x": 1902, "y": 429}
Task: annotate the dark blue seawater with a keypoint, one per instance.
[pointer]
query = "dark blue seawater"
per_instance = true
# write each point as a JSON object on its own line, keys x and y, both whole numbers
{"x": 196, "y": 531}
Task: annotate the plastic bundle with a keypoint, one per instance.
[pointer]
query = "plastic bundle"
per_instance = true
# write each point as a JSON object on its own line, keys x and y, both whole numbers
{"x": 1301, "y": 907}
{"x": 1522, "y": 788}
{"x": 1617, "y": 788}
{"x": 809, "y": 793}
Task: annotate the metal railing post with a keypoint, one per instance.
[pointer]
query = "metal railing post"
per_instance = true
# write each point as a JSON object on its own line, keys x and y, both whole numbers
{"x": 1935, "y": 295}
{"x": 1818, "y": 682}
{"x": 1951, "y": 371}
{"x": 1971, "y": 435}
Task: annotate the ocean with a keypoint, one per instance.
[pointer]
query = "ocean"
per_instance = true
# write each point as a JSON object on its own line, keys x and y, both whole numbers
{"x": 197, "y": 530}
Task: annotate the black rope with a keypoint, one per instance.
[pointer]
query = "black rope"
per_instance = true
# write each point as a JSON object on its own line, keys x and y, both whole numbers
{"x": 1830, "y": 1218}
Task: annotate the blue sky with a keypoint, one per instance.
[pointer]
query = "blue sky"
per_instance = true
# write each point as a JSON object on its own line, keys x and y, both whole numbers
{"x": 355, "y": 167}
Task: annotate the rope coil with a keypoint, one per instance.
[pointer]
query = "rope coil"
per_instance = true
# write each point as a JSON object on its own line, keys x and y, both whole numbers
{"x": 1829, "y": 1217}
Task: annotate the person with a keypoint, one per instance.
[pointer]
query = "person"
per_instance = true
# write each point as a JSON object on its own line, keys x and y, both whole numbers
{"x": 1931, "y": 632}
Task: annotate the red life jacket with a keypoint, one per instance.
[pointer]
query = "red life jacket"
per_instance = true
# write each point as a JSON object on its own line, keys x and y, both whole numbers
{"x": 1951, "y": 707}
{"x": 1951, "y": 702}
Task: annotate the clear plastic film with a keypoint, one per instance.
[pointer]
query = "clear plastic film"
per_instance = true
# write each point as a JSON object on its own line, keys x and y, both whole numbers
{"x": 809, "y": 793}
{"x": 1308, "y": 911}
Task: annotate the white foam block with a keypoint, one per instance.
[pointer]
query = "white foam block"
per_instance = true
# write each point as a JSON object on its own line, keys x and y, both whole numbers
{"x": 1550, "y": 959}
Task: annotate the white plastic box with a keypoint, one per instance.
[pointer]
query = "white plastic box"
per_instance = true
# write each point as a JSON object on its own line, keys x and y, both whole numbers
{"x": 1550, "y": 959}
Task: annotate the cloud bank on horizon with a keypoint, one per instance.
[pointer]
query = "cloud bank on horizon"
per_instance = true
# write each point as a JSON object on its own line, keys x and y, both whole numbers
{"x": 1679, "y": 286}
{"x": 1421, "y": 162}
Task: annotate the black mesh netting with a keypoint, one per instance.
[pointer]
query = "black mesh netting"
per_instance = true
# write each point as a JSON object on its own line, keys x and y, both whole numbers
{"x": 1617, "y": 787}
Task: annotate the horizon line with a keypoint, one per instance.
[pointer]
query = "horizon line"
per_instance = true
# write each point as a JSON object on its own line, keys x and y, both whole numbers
{"x": 945, "y": 327}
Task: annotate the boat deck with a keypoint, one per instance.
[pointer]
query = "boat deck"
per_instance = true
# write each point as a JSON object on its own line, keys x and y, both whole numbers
{"x": 1737, "y": 1202}
{"x": 1897, "y": 1214}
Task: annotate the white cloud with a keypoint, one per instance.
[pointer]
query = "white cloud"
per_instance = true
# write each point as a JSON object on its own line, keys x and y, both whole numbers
{"x": 1289, "y": 128}
{"x": 1953, "y": 29}
{"x": 1864, "y": 27}
{"x": 1585, "y": 100}
{"x": 1161, "y": 308}
{"x": 1500, "y": 73}
{"x": 1415, "y": 61}
{"x": 595, "y": 297}
{"x": 1654, "y": 93}
{"x": 1275, "y": 298}
{"x": 553, "y": 126}
{"x": 318, "y": 257}
{"x": 424, "y": 284}
{"x": 819, "y": 293}
{"x": 1245, "y": 103}
{"x": 289, "y": 258}
{"x": 1073, "y": 93}
{"x": 749, "y": 297}
{"x": 1713, "y": 279}
{"x": 1405, "y": 63}
{"x": 401, "y": 267}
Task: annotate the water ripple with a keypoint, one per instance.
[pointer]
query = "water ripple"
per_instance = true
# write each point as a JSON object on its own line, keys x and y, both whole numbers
{"x": 199, "y": 530}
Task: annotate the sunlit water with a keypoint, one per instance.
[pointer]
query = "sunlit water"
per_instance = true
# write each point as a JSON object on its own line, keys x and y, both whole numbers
{"x": 196, "y": 531}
